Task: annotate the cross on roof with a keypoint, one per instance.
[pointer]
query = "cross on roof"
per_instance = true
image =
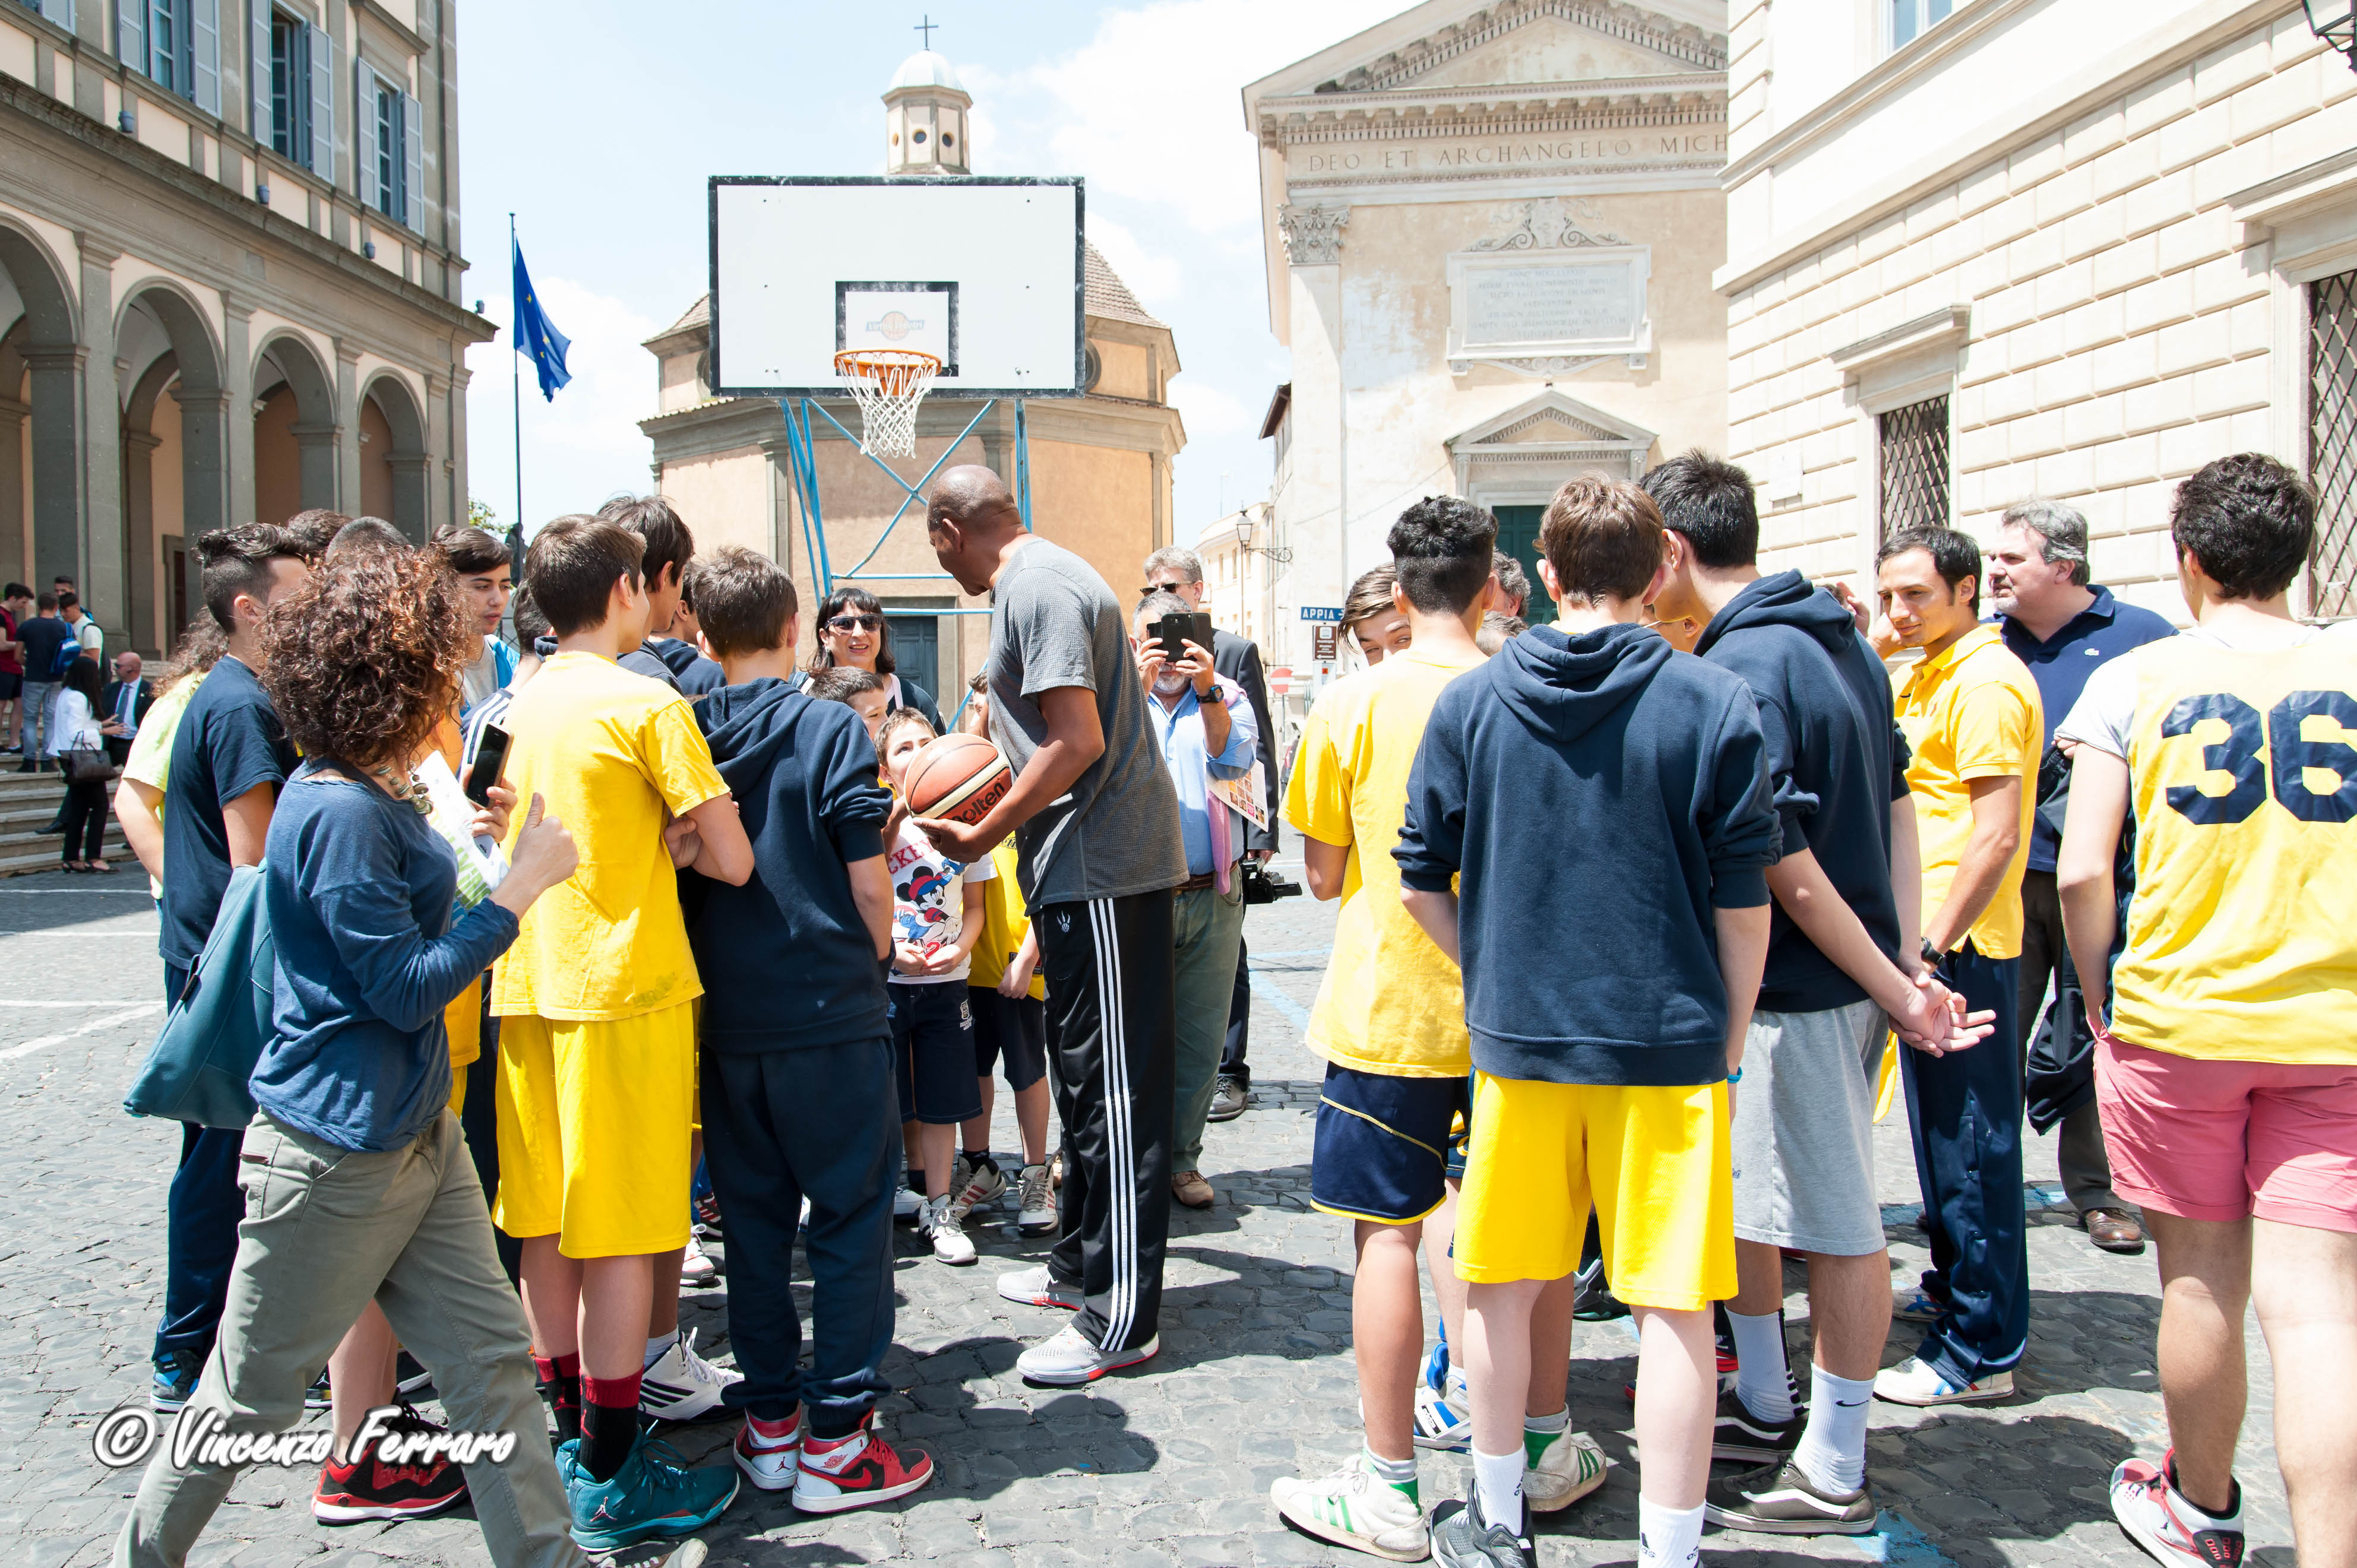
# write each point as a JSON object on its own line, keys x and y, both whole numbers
{"x": 926, "y": 28}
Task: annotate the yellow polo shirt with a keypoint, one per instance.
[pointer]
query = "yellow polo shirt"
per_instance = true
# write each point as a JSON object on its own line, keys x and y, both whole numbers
{"x": 1971, "y": 712}
{"x": 1391, "y": 1002}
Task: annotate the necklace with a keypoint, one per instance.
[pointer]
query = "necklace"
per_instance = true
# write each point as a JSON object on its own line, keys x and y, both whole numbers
{"x": 404, "y": 786}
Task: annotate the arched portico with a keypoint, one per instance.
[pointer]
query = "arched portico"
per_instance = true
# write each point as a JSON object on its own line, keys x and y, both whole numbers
{"x": 41, "y": 385}
{"x": 169, "y": 346}
{"x": 393, "y": 460}
{"x": 295, "y": 432}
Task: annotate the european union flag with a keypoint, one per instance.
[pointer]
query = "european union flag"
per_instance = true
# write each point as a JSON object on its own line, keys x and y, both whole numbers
{"x": 536, "y": 336}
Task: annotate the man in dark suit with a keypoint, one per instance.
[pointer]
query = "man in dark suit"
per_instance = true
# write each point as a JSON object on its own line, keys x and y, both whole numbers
{"x": 1237, "y": 659}
{"x": 124, "y": 703}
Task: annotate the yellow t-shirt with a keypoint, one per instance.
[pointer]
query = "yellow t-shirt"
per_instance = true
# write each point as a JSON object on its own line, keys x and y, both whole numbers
{"x": 1004, "y": 925}
{"x": 2242, "y": 932}
{"x": 150, "y": 761}
{"x": 614, "y": 755}
{"x": 1391, "y": 1002}
{"x": 1971, "y": 712}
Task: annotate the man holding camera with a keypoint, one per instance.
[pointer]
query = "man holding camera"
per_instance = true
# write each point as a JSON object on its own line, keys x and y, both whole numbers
{"x": 1236, "y": 659}
{"x": 1208, "y": 737}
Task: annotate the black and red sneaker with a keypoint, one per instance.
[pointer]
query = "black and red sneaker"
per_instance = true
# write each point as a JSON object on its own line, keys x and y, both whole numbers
{"x": 875, "y": 1472}
{"x": 368, "y": 1488}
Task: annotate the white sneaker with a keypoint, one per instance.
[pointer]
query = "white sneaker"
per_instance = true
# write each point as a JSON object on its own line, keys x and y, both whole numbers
{"x": 983, "y": 1183}
{"x": 1039, "y": 1287}
{"x": 951, "y": 1244}
{"x": 1568, "y": 1469}
{"x": 2163, "y": 1521}
{"x": 1918, "y": 1382}
{"x": 682, "y": 1385}
{"x": 1442, "y": 1422}
{"x": 1035, "y": 1205}
{"x": 697, "y": 1269}
{"x": 907, "y": 1206}
{"x": 1355, "y": 1509}
{"x": 1067, "y": 1360}
{"x": 770, "y": 1464}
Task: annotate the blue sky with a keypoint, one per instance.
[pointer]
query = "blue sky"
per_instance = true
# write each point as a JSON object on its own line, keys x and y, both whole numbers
{"x": 599, "y": 133}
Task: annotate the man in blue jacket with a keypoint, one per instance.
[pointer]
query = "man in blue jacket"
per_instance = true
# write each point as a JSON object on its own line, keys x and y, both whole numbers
{"x": 1845, "y": 890}
{"x": 1603, "y": 804}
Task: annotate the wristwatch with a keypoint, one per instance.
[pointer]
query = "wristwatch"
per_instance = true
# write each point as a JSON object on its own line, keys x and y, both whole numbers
{"x": 1931, "y": 955}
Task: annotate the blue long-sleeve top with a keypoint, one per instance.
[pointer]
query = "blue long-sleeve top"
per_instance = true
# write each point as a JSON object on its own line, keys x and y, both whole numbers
{"x": 1593, "y": 800}
{"x": 359, "y": 890}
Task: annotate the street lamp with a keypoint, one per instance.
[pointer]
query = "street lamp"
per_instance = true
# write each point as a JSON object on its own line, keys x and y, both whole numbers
{"x": 2336, "y": 27}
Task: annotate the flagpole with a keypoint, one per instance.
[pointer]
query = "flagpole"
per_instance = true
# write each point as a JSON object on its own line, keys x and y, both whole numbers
{"x": 515, "y": 369}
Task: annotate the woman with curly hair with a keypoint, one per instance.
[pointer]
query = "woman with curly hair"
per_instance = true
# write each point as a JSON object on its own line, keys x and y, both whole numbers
{"x": 854, "y": 635}
{"x": 358, "y": 1184}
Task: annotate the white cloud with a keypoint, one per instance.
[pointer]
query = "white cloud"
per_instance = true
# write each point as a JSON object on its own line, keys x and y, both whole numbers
{"x": 1211, "y": 410}
{"x": 1150, "y": 274}
{"x": 585, "y": 444}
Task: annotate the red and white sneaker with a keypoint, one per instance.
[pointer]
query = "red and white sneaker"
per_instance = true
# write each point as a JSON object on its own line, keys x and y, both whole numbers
{"x": 368, "y": 1488}
{"x": 2155, "y": 1515}
{"x": 856, "y": 1471}
{"x": 770, "y": 1453}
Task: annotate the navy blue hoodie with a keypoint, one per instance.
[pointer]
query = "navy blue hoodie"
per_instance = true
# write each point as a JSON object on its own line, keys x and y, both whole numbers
{"x": 785, "y": 960}
{"x": 1837, "y": 760}
{"x": 1599, "y": 795}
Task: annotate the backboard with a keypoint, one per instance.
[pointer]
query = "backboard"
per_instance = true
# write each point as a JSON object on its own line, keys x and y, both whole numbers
{"x": 982, "y": 273}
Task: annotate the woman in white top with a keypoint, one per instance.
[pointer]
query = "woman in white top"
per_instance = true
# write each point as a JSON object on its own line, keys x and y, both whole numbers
{"x": 74, "y": 727}
{"x": 854, "y": 634}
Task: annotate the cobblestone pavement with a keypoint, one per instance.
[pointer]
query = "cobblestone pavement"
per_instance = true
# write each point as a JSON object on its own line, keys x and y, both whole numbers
{"x": 1170, "y": 1466}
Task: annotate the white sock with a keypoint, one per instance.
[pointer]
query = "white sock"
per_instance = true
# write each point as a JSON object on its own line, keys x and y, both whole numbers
{"x": 1667, "y": 1537}
{"x": 1762, "y": 1377}
{"x": 659, "y": 1346}
{"x": 1499, "y": 1478}
{"x": 1833, "y": 1447}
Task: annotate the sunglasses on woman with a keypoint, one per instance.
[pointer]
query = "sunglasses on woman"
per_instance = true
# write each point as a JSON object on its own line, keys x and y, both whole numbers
{"x": 856, "y": 623}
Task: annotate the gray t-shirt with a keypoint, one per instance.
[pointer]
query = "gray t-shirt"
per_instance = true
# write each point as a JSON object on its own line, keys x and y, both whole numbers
{"x": 1053, "y": 622}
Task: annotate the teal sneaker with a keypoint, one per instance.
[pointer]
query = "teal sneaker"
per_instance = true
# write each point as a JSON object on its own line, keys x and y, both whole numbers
{"x": 653, "y": 1494}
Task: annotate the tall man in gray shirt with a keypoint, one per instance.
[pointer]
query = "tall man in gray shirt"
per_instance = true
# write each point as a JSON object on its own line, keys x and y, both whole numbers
{"x": 1098, "y": 851}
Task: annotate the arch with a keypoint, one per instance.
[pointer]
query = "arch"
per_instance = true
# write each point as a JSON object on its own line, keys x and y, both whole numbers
{"x": 50, "y": 347}
{"x": 406, "y": 459}
{"x": 184, "y": 323}
{"x": 295, "y": 449}
{"x": 195, "y": 359}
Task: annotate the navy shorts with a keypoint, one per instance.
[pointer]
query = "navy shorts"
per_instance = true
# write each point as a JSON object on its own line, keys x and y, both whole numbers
{"x": 10, "y": 684}
{"x": 1013, "y": 1029}
{"x": 1381, "y": 1149}
{"x": 933, "y": 1053}
{"x": 1460, "y": 1136}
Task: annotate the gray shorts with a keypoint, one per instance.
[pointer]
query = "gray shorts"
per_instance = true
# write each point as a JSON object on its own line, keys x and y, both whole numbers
{"x": 1804, "y": 1133}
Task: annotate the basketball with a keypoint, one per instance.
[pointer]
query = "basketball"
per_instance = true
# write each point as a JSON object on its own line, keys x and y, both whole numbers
{"x": 958, "y": 776}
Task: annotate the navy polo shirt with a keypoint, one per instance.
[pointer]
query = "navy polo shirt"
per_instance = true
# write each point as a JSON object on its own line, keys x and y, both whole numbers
{"x": 2061, "y": 665}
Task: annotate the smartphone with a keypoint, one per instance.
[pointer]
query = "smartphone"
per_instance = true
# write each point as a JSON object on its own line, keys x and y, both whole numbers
{"x": 1172, "y": 631}
{"x": 490, "y": 756}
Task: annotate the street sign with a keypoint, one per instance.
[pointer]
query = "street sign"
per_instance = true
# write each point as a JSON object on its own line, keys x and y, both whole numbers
{"x": 1280, "y": 679}
{"x": 1332, "y": 613}
{"x": 1325, "y": 634}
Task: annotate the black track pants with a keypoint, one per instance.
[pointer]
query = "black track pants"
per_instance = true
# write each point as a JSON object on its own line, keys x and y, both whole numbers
{"x": 1110, "y": 982}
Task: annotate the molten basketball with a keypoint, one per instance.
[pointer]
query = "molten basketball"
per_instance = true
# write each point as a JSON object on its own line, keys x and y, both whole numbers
{"x": 958, "y": 776}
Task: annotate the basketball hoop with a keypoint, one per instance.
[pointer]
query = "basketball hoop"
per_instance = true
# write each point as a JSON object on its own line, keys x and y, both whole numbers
{"x": 887, "y": 384}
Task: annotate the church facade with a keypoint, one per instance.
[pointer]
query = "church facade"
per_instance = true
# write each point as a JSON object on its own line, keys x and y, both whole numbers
{"x": 1099, "y": 463}
{"x": 1488, "y": 232}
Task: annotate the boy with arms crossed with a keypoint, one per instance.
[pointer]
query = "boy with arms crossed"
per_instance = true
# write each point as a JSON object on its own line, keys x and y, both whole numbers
{"x": 1607, "y": 1076}
{"x": 597, "y": 1051}
{"x": 1390, "y": 1021}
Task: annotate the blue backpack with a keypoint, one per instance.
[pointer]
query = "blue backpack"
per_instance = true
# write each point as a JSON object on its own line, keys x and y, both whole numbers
{"x": 67, "y": 651}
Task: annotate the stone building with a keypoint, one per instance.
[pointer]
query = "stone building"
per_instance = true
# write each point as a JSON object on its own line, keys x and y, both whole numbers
{"x": 1099, "y": 463}
{"x": 230, "y": 275}
{"x": 1489, "y": 232}
{"x": 2038, "y": 247}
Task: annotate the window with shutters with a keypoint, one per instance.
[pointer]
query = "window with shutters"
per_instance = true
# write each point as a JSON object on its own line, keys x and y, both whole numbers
{"x": 391, "y": 168}
{"x": 2332, "y": 444}
{"x": 165, "y": 34}
{"x": 1914, "y": 442}
{"x": 290, "y": 88}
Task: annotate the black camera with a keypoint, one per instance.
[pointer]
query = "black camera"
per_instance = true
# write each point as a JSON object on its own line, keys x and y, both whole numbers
{"x": 1264, "y": 886}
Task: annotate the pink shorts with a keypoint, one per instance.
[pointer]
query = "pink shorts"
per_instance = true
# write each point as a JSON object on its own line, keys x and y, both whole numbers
{"x": 2227, "y": 1140}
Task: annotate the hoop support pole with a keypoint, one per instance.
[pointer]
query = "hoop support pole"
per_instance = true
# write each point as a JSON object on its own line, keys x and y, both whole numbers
{"x": 800, "y": 459}
{"x": 1022, "y": 464}
{"x": 915, "y": 491}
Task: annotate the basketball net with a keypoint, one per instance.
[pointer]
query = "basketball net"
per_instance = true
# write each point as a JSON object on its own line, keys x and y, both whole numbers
{"x": 887, "y": 384}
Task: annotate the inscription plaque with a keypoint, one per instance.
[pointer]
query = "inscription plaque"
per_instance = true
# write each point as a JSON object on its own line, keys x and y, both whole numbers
{"x": 1575, "y": 302}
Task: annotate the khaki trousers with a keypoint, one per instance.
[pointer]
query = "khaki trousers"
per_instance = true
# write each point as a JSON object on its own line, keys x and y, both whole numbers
{"x": 325, "y": 1230}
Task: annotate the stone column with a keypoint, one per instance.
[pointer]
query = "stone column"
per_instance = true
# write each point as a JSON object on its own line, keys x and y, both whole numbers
{"x": 435, "y": 475}
{"x": 205, "y": 459}
{"x": 139, "y": 537}
{"x": 409, "y": 494}
{"x": 320, "y": 447}
{"x": 237, "y": 419}
{"x": 13, "y": 542}
{"x": 105, "y": 562}
{"x": 57, "y": 460}
{"x": 1320, "y": 483}
{"x": 348, "y": 440}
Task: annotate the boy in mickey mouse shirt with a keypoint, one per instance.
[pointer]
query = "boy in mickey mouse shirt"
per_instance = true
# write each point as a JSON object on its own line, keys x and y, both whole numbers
{"x": 938, "y": 909}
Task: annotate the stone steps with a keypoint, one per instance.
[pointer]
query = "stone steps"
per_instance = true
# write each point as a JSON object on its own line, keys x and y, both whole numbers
{"x": 27, "y": 801}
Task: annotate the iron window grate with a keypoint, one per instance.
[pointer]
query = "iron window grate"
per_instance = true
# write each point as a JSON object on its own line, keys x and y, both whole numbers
{"x": 2332, "y": 444}
{"x": 1915, "y": 467}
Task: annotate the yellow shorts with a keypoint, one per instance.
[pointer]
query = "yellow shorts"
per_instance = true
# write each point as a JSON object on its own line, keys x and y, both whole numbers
{"x": 463, "y": 1022}
{"x": 1654, "y": 1160}
{"x": 594, "y": 1131}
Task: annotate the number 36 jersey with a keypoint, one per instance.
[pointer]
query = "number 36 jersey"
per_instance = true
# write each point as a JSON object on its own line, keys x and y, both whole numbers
{"x": 2242, "y": 933}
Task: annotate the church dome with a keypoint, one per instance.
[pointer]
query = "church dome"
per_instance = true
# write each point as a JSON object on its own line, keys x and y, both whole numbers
{"x": 925, "y": 69}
